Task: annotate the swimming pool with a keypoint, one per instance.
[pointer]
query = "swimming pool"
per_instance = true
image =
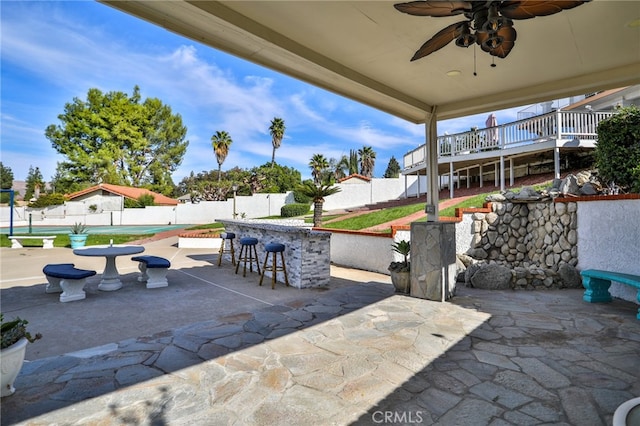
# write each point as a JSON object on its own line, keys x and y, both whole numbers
{"x": 117, "y": 229}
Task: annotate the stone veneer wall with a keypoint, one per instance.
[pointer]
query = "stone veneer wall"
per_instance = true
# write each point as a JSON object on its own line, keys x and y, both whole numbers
{"x": 537, "y": 241}
{"x": 307, "y": 251}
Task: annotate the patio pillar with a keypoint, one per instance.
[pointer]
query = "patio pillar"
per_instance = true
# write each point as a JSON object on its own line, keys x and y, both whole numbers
{"x": 433, "y": 260}
{"x": 511, "y": 178}
{"x": 556, "y": 162}
{"x": 502, "y": 173}
{"x": 433, "y": 243}
{"x": 431, "y": 130}
{"x": 451, "y": 184}
{"x": 406, "y": 192}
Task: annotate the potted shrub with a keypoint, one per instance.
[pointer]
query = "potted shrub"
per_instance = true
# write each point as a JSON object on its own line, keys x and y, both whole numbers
{"x": 14, "y": 345}
{"x": 78, "y": 235}
{"x": 400, "y": 271}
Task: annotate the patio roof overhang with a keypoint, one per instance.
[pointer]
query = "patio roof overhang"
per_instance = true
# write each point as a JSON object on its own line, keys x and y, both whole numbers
{"x": 361, "y": 50}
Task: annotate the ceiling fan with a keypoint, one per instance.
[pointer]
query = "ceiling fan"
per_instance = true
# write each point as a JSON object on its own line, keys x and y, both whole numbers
{"x": 488, "y": 22}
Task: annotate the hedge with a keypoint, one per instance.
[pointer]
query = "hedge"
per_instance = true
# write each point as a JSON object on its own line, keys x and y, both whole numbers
{"x": 296, "y": 209}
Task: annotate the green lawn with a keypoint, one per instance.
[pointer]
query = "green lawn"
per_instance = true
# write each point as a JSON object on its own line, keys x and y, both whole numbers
{"x": 375, "y": 218}
{"x": 476, "y": 201}
{"x": 62, "y": 240}
{"x": 381, "y": 216}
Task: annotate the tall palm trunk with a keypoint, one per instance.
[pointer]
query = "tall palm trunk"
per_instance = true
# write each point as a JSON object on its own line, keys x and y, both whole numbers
{"x": 317, "y": 212}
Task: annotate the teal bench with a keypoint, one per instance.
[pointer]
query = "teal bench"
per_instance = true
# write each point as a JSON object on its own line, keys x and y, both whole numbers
{"x": 597, "y": 282}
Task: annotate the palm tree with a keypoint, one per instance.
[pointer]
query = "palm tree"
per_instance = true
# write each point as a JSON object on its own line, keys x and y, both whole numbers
{"x": 221, "y": 142}
{"x": 276, "y": 130}
{"x": 338, "y": 167}
{"x": 318, "y": 165}
{"x": 353, "y": 162}
{"x": 367, "y": 161}
{"x": 317, "y": 194}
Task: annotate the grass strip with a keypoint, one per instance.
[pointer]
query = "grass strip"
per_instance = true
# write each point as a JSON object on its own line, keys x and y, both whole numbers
{"x": 377, "y": 217}
{"x": 475, "y": 201}
{"x": 62, "y": 240}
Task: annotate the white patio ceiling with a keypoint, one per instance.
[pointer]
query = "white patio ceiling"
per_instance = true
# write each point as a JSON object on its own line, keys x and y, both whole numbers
{"x": 361, "y": 50}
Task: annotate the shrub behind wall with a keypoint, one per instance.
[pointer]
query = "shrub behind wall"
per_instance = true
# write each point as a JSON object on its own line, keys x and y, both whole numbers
{"x": 292, "y": 210}
{"x": 617, "y": 151}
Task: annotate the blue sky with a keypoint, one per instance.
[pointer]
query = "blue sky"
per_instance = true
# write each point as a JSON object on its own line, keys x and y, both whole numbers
{"x": 52, "y": 52}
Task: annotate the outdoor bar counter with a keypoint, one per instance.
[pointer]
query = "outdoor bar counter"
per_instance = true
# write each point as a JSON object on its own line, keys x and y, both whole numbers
{"x": 307, "y": 252}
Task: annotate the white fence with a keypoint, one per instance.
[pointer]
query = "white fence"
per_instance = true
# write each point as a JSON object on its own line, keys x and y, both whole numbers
{"x": 365, "y": 251}
{"x": 354, "y": 193}
{"x": 608, "y": 238}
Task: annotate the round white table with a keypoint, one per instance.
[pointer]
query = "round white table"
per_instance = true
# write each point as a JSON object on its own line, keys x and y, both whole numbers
{"x": 110, "y": 277}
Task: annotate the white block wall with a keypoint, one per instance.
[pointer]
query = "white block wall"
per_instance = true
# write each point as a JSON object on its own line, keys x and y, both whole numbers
{"x": 609, "y": 238}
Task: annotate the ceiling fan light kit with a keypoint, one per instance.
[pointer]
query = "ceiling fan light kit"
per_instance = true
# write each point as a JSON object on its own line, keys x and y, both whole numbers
{"x": 489, "y": 22}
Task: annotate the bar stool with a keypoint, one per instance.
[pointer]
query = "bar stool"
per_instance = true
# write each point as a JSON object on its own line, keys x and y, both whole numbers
{"x": 227, "y": 236}
{"x": 248, "y": 253}
{"x": 274, "y": 268}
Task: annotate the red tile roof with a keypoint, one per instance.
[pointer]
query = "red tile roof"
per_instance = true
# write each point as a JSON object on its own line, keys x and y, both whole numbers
{"x": 127, "y": 192}
{"x": 357, "y": 176}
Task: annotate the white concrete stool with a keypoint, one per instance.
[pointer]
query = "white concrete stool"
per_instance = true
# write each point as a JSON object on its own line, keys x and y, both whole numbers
{"x": 153, "y": 270}
{"x": 69, "y": 280}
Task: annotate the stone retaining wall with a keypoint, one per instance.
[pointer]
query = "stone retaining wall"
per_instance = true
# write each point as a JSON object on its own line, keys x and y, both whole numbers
{"x": 535, "y": 241}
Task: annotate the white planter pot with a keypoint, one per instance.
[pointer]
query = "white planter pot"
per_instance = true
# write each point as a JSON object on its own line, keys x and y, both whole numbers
{"x": 11, "y": 360}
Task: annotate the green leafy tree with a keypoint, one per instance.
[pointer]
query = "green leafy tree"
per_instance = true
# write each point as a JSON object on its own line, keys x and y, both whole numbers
{"x": 617, "y": 152}
{"x": 116, "y": 138}
{"x": 140, "y": 202}
{"x": 272, "y": 178}
{"x": 221, "y": 142}
{"x": 393, "y": 168}
{"x": 6, "y": 182}
{"x": 367, "y": 161}
{"x": 319, "y": 167}
{"x": 64, "y": 183}
{"x": 264, "y": 179}
{"x": 276, "y": 130}
{"x": 46, "y": 200}
{"x": 34, "y": 181}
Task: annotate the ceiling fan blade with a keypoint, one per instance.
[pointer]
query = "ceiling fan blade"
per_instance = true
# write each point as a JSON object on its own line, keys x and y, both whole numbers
{"x": 434, "y": 8}
{"x": 526, "y": 9}
{"x": 440, "y": 40}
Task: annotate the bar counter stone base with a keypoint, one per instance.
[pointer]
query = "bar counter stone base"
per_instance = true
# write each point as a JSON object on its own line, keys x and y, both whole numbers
{"x": 307, "y": 252}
